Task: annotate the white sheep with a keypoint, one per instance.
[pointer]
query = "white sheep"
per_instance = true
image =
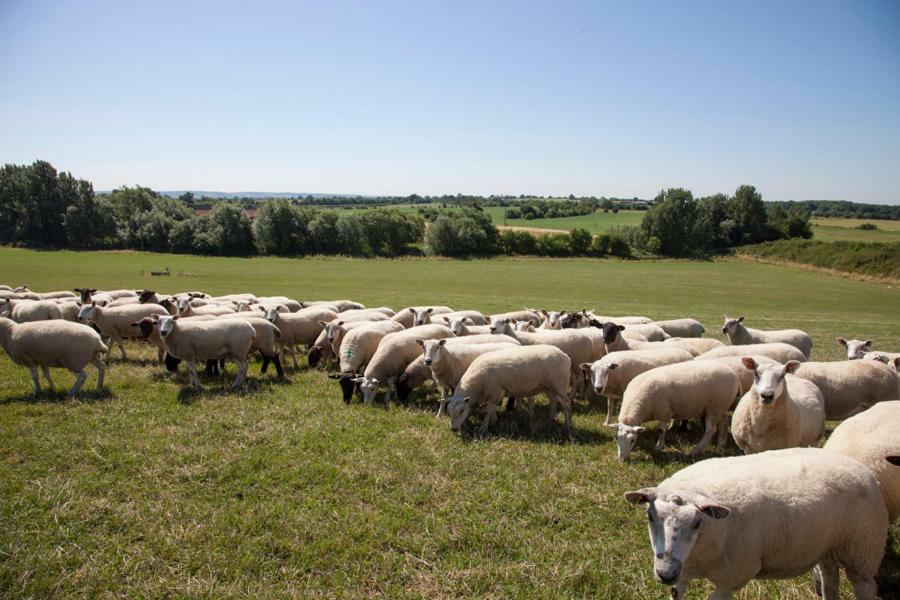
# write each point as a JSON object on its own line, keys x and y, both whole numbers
{"x": 57, "y": 295}
{"x": 775, "y": 350}
{"x": 424, "y": 317}
{"x": 55, "y": 343}
{"x": 216, "y": 339}
{"x": 25, "y": 311}
{"x": 683, "y": 328}
{"x": 850, "y": 386}
{"x": 299, "y": 328}
{"x": 741, "y": 335}
{"x": 340, "y": 305}
{"x": 552, "y": 319}
{"x": 394, "y": 353}
{"x": 779, "y": 411}
{"x": 610, "y": 375}
{"x": 689, "y": 390}
{"x": 616, "y": 339}
{"x": 187, "y": 309}
{"x": 650, "y": 331}
{"x": 888, "y": 358}
{"x": 407, "y": 316}
{"x": 518, "y": 315}
{"x": 459, "y": 327}
{"x": 767, "y": 516}
{"x": 873, "y": 438}
{"x": 119, "y": 322}
{"x": 356, "y": 350}
{"x": 329, "y": 340}
{"x": 519, "y": 371}
{"x": 449, "y": 363}
{"x": 736, "y": 364}
{"x": 69, "y": 311}
{"x": 855, "y": 348}
{"x": 266, "y": 339}
{"x": 696, "y": 345}
{"x": 625, "y": 320}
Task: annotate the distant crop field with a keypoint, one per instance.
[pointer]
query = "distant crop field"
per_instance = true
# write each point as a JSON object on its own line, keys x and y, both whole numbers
{"x": 831, "y": 229}
{"x": 598, "y": 222}
{"x": 281, "y": 490}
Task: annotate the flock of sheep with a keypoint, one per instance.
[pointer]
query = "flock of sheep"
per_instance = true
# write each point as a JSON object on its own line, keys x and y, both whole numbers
{"x": 783, "y": 508}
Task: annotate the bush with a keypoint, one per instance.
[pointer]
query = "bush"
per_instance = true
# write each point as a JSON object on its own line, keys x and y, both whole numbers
{"x": 867, "y": 227}
{"x": 466, "y": 232}
{"x": 517, "y": 242}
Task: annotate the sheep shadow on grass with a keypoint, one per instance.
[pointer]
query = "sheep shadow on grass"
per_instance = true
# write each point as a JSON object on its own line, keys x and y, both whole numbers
{"x": 888, "y": 577}
{"x": 58, "y": 395}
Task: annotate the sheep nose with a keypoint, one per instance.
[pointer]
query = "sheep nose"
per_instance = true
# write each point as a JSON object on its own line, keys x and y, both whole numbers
{"x": 666, "y": 578}
{"x": 427, "y": 361}
{"x": 724, "y": 330}
{"x": 768, "y": 397}
{"x": 598, "y": 389}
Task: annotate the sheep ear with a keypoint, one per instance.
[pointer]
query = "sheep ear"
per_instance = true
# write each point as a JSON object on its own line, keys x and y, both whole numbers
{"x": 713, "y": 509}
{"x": 641, "y": 496}
{"x": 896, "y": 363}
{"x": 421, "y": 343}
{"x": 894, "y": 460}
{"x": 621, "y": 328}
{"x": 741, "y": 319}
{"x": 429, "y": 311}
{"x": 841, "y": 341}
{"x": 749, "y": 363}
{"x": 562, "y": 312}
{"x": 586, "y": 366}
{"x": 791, "y": 366}
{"x": 613, "y": 366}
{"x": 442, "y": 342}
{"x": 135, "y": 324}
{"x": 868, "y": 343}
{"x": 640, "y": 429}
{"x": 175, "y": 318}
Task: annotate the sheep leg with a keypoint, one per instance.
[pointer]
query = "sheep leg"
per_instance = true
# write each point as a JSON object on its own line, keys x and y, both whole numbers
{"x": 101, "y": 372}
{"x": 37, "y": 382}
{"x": 489, "y": 417}
{"x": 510, "y": 405}
{"x": 278, "y": 368}
{"x": 676, "y": 592}
{"x": 826, "y": 578}
{"x": 79, "y": 381}
{"x": 710, "y": 425}
{"x": 864, "y": 588}
{"x": 195, "y": 379}
{"x": 265, "y": 365}
{"x": 442, "y": 403}
{"x": 566, "y": 403}
{"x": 121, "y": 348}
{"x": 242, "y": 365}
{"x": 293, "y": 351}
{"x": 610, "y": 409}
{"x": 722, "y": 594}
{"x": 46, "y": 371}
{"x": 723, "y": 431}
{"x": 663, "y": 428}
{"x": 161, "y": 354}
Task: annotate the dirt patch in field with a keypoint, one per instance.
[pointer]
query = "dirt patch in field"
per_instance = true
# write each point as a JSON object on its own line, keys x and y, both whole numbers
{"x": 534, "y": 230}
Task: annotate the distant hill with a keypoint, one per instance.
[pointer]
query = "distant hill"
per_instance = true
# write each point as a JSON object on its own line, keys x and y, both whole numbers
{"x": 256, "y": 195}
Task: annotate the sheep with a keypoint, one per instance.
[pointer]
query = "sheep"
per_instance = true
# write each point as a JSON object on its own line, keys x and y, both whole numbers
{"x": 768, "y": 516}
{"x": 417, "y": 372}
{"x": 302, "y": 327}
{"x": 611, "y": 374}
{"x": 682, "y": 328}
{"x": 290, "y": 304}
{"x": 116, "y": 294}
{"x": 650, "y": 331}
{"x": 66, "y": 295}
{"x": 55, "y": 343}
{"x": 695, "y": 346}
{"x": 186, "y": 309}
{"x": 407, "y": 316}
{"x": 627, "y": 320}
{"x": 551, "y": 319}
{"x": 341, "y": 305}
{"x": 873, "y": 438}
{"x": 741, "y": 335}
{"x": 448, "y": 363}
{"x": 687, "y": 390}
{"x": 887, "y": 358}
{"x": 24, "y": 311}
{"x": 616, "y": 339}
{"x": 519, "y": 371}
{"x": 147, "y": 296}
{"x": 357, "y": 349}
{"x": 855, "y": 348}
{"x": 394, "y": 353}
{"x": 123, "y": 301}
{"x": 265, "y": 340}
{"x": 736, "y": 364}
{"x": 518, "y": 315}
{"x": 779, "y": 411}
{"x": 69, "y": 311}
{"x": 93, "y": 295}
{"x": 351, "y": 316}
{"x": 191, "y": 341}
{"x": 472, "y": 317}
{"x": 850, "y": 386}
{"x": 776, "y": 350}
{"x": 119, "y": 322}
{"x": 459, "y": 327}
{"x": 149, "y": 328}
{"x": 329, "y": 340}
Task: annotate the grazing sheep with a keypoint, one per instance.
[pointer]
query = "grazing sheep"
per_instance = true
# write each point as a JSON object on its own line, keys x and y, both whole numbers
{"x": 55, "y": 343}
{"x": 25, "y": 311}
{"x": 519, "y": 371}
{"x": 93, "y": 296}
{"x": 341, "y": 305}
{"x": 394, "y": 353}
{"x": 407, "y": 316}
{"x": 855, "y": 348}
{"x": 357, "y": 349}
{"x": 472, "y": 317}
{"x": 850, "y": 386}
{"x": 616, "y": 339}
{"x": 417, "y": 372}
{"x": 193, "y": 341}
{"x": 459, "y": 327}
{"x": 611, "y": 374}
{"x": 690, "y": 390}
{"x": 873, "y": 438}
{"x": 148, "y": 326}
{"x": 448, "y": 363}
{"x": 552, "y": 319}
{"x": 650, "y": 331}
{"x": 695, "y": 346}
{"x": 768, "y": 516}
{"x": 627, "y": 320}
{"x": 302, "y": 327}
{"x": 683, "y": 328}
{"x": 775, "y": 350}
{"x": 741, "y": 335}
{"x": 329, "y": 340}
{"x": 69, "y": 311}
{"x": 779, "y": 411}
{"x": 265, "y": 340}
{"x": 119, "y": 322}
{"x": 57, "y": 295}
{"x": 517, "y": 315}
{"x": 736, "y": 364}
{"x": 187, "y": 309}
{"x": 887, "y": 358}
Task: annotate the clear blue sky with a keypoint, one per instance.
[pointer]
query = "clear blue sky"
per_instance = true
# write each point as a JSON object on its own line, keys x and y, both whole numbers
{"x": 801, "y": 99}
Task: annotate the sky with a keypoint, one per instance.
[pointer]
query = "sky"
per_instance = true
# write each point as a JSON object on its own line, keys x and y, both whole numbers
{"x": 800, "y": 99}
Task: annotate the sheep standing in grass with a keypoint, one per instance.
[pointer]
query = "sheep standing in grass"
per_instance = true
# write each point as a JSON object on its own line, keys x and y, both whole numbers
{"x": 407, "y": 316}
{"x": 69, "y": 311}
{"x": 449, "y": 363}
{"x": 26, "y": 311}
{"x": 518, "y": 372}
{"x": 329, "y": 340}
{"x": 118, "y": 323}
{"x": 775, "y": 350}
{"x": 427, "y": 316}
{"x": 518, "y": 315}
{"x": 855, "y": 348}
{"x": 394, "y": 353}
{"x": 302, "y": 327}
{"x": 683, "y": 328}
{"x": 650, "y": 332}
{"x": 616, "y": 338}
{"x": 780, "y": 411}
{"x": 767, "y": 516}
{"x": 266, "y": 339}
{"x": 611, "y": 374}
{"x": 741, "y": 335}
{"x": 192, "y": 341}
{"x": 690, "y": 390}
{"x": 340, "y": 305}
{"x": 736, "y": 364}
{"x": 55, "y": 343}
{"x": 186, "y": 309}
{"x": 356, "y": 350}
{"x": 850, "y": 386}
{"x": 459, "y": 327}
{"x": 695, "y": 346}
{"x": 873, "y": 438}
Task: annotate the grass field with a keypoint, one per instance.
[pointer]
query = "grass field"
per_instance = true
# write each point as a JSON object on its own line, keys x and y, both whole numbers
{"x": 598, "y": 222}
{"x": 831, "y": 229}
{"x": 282, "y": 490}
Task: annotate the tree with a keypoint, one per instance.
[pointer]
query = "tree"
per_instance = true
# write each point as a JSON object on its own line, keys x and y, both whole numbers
{"x": 712, "y": 227}
{"x": 279, "y": 229}
{"x": 671, "y": 222}
{"x": 580, "y": 241}
{"x": 748, "y": 212}
{"x": 230, "y": 230}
